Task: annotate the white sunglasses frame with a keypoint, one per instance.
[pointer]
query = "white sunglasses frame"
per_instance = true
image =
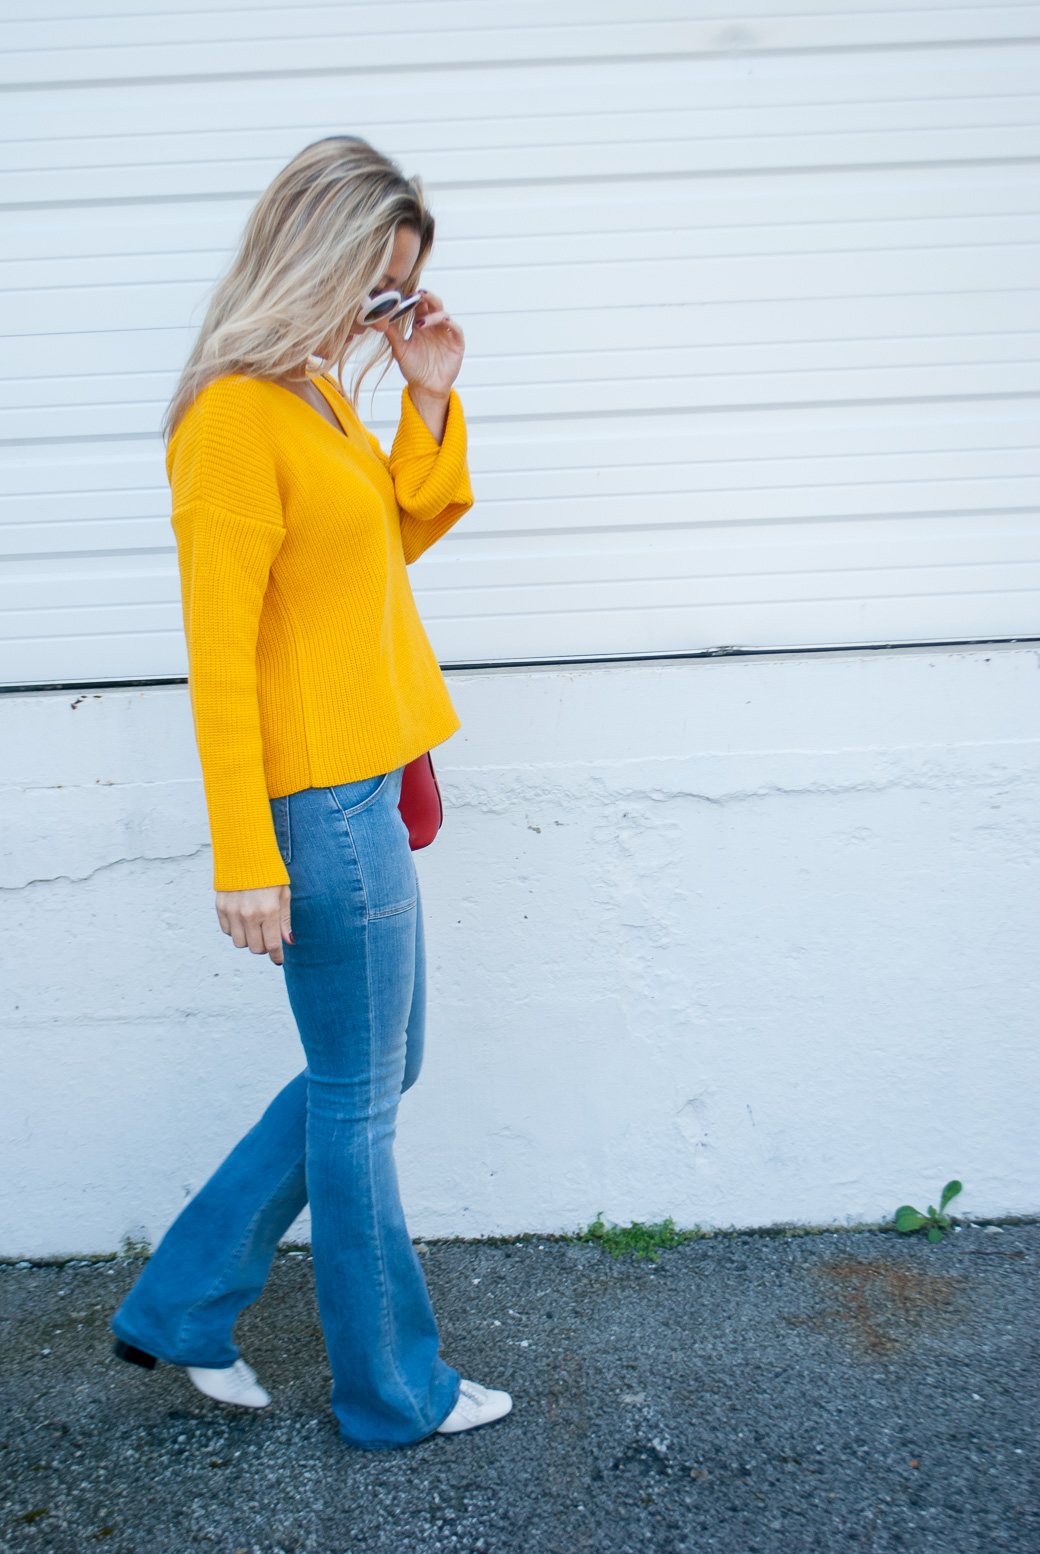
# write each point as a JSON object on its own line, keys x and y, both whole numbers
{"x": 402, "y": 305}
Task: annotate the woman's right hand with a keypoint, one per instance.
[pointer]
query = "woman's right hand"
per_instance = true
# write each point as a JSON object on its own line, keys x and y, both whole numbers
{"x": 257, "y": 919}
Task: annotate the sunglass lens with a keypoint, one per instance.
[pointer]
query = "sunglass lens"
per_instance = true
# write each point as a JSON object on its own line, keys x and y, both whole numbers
{"x": 408, "y": 304}
{"x": 378, "y": 310}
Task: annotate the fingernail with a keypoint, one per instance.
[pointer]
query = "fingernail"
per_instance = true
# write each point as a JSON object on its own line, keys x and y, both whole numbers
{"x": 292, "y": 939}
{"x": 420, "y": 323}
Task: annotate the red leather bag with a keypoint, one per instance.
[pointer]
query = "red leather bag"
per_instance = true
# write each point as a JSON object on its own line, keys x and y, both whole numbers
{"x": 420, "y": 802}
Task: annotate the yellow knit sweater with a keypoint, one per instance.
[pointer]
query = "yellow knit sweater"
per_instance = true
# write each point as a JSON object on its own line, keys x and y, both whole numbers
{"x": 308, "y": 664}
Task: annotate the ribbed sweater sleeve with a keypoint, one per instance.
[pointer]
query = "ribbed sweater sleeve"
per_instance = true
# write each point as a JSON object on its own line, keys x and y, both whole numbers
{"x": 431, "y": 479}
{"x": 225, "y": 462}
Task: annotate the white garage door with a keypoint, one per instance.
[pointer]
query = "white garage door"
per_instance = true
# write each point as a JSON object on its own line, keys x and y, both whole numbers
{"x": 751, "y": 305}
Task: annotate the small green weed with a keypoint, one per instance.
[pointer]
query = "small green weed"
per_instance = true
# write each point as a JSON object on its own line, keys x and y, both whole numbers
{"x": 639, "y": 1239}
{"x": 909, "y": 1219}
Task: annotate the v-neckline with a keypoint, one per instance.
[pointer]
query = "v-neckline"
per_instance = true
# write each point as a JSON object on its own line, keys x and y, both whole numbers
{"x": 331, "y": 398}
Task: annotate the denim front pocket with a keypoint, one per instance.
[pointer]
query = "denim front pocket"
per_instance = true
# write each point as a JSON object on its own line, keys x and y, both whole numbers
{"x": 380, "y": 841}
{"x": 352, "y": 797}
{"x": 282, "y": 827}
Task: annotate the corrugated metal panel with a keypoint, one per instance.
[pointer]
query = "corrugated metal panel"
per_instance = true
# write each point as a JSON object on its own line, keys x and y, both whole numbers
{"x": 752, "y": 309}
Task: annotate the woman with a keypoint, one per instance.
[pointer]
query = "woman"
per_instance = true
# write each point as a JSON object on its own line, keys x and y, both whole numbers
{"x": 312, "y": 685}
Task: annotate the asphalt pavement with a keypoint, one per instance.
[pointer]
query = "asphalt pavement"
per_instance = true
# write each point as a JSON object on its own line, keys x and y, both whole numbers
{"x": 747, "y": 1395}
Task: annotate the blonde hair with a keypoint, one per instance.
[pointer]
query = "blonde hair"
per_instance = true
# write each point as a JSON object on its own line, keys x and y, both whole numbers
{"x": 318, "y": 240}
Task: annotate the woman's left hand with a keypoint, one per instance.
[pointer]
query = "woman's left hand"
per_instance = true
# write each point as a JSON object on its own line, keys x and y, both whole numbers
{"x": 429, "y": 357}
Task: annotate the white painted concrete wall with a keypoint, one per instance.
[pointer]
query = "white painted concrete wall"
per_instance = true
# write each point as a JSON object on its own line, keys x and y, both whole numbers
{"x": 778, "y": 965}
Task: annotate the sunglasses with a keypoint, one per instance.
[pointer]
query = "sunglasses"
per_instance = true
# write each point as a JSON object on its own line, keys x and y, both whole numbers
{"x": 388, "y": 305}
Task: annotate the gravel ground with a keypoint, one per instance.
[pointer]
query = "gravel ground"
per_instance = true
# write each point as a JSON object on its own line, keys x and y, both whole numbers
{"x": 784, "y": 1395}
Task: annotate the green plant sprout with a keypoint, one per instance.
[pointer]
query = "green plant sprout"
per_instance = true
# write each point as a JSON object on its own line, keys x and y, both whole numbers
{"x": 909, "y": 1219}
{"x": 641, "y": 1240}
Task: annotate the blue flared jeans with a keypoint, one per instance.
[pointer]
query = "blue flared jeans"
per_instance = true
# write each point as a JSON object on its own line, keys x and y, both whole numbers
{"x": 356, "y": 982}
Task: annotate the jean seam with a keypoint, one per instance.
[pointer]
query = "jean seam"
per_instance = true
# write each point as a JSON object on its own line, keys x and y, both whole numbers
{"x": 387, "y": 1314}
{"x": 286, "y": 852}
{"x": 221, "y": 1278}
{"x": 353, "y": 848}
{"x": 283, "y": 852}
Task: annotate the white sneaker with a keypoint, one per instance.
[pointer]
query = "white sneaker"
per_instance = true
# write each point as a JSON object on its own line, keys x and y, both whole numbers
{"x": 236, "y": 1384}
{"x": 477, "y": 1405}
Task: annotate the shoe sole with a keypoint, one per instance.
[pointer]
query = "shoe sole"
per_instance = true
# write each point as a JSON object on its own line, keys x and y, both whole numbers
{"x": 483, "y": 1425}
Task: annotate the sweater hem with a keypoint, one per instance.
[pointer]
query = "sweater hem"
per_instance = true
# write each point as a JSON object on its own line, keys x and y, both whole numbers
{"x": 337, "y": 776}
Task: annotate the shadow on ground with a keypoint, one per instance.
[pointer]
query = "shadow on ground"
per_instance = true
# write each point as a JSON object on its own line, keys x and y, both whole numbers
{"x": 836, "y": 1392}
